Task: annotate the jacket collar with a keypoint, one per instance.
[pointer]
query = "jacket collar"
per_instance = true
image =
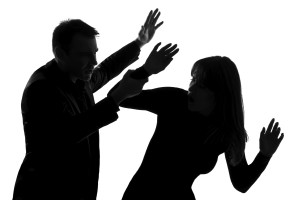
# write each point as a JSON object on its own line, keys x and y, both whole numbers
{"x": 62, "y": 78}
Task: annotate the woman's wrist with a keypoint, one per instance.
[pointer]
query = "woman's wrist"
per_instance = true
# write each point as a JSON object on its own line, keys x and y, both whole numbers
{"x": 117, "y": 97}
{"x": 141, "y": 73}
{"x": 147, "y": 70}
{"x": 265, "y": 154}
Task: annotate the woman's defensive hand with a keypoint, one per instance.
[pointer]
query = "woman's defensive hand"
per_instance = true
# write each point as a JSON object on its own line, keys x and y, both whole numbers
{"x": 269, "y": 140}
{"x": 158, "y": 60}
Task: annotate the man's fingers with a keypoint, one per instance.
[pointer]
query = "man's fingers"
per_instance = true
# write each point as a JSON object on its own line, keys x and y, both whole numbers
{"x": 155, "y": 19}
{"x": 158, "y": 25}
{"x": 270, "y": 126}
{"x": 152, "y": 19}
{"x": 148, "y": 18}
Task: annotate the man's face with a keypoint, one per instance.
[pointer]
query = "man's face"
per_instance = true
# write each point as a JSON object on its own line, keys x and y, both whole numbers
{"x": 81, "y": 59}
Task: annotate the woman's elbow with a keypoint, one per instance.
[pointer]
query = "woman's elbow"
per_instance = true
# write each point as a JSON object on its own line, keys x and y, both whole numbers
{"x": 241, "y": 189}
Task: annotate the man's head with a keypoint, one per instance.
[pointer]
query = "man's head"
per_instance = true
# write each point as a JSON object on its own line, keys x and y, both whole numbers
{"x": 74, "y": 47}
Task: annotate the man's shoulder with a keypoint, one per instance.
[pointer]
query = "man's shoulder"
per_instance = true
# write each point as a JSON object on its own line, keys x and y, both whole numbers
{"x": 42, "y": 74}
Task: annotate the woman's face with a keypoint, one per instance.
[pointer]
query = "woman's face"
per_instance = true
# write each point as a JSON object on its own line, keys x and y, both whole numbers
{"x": 200, "y": 98}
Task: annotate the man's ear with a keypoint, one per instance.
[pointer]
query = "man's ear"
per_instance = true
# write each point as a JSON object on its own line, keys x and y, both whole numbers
{"x": 59, "y": 54}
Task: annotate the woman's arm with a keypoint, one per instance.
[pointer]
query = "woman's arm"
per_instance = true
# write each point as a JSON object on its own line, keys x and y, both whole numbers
{"x": 243, "y": 176}
{"x": 155, "y": 100}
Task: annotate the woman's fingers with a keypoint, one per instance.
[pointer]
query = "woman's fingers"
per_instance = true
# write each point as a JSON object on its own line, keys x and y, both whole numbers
{"x": 163, "y": 49}
{"x": 270, "y": 126}
{"x": 169, "y": 50}
{"x": 173, "y": 53}
{"x": 275, "y": 127}
{"x": 156, "y": 47}
{"x": 281, "y": 137}
{"x": 262, "y": 132}
{"x": 166, "y": 51}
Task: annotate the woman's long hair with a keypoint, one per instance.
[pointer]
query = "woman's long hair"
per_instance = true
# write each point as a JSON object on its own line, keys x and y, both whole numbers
{"x": 220, "y": 75}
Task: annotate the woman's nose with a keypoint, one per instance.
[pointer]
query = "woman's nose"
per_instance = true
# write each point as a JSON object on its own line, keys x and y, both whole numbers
{"x": 192, "y": 86}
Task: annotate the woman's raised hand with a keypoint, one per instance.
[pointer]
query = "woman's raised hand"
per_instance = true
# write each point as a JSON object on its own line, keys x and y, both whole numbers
{"x": 158, "y": 60}
{"x": 269, "y": 140}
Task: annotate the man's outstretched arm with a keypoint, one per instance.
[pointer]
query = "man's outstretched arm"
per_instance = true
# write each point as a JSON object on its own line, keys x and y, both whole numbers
{"x": 117, "y": 62}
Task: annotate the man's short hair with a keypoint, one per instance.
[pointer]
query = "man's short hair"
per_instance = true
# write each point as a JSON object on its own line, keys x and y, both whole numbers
{"x": 65, "y": 31}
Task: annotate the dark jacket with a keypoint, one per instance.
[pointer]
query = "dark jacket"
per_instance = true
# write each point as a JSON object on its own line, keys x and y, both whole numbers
{"x": 61, "y": 122}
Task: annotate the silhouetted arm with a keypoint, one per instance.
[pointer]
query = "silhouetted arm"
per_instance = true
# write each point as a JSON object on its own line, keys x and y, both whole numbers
{"x": 117, "y": 62}
{"x": 157, "y": 100}
{"x": 114, "y": 65}
{"x": 49, "y": 120}
{"x": 157, "y": 61}
{"x": 243, "y": 176}
{"x": 149, "y": 28}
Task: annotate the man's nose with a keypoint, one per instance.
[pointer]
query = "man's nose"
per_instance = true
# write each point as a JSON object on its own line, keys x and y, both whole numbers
{"x": 94, "y": 60}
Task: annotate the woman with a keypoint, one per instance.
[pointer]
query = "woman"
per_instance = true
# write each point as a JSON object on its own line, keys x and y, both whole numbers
{"x": 193, "y": 128}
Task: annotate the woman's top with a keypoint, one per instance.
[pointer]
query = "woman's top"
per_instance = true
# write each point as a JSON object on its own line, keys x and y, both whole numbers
{"x": 184, "y": 145}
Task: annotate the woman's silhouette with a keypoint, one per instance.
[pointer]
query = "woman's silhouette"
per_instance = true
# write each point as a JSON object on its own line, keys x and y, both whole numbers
{"x": 193, "y": 128}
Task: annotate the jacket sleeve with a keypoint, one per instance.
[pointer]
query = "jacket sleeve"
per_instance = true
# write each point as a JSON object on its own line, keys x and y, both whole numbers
{"x": 243, "y": 176}
{"x": 47, "y": 118}
{"x": 154, "y": 100}
{"x": 114, "y": 65}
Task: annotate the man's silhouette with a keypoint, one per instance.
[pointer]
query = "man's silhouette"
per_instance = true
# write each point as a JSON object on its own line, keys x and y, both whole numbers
{"x": 61, "y": 119}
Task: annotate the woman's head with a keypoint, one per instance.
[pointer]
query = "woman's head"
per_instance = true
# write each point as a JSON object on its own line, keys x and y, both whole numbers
{"x": 217, "y": 82}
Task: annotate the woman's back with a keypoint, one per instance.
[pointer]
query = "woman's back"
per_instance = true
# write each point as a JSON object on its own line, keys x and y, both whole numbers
{"x": 178, "y": 151}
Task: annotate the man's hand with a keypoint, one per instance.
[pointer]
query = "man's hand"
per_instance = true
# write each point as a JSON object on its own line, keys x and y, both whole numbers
{"x": 127, "y": 87}
{"x": 270, "y": 140}
{"x": 159, "y": 60}
{"x": 148, "y": 29}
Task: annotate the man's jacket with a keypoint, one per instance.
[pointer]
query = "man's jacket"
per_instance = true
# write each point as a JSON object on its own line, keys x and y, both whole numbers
{"x": 61, "y": 122}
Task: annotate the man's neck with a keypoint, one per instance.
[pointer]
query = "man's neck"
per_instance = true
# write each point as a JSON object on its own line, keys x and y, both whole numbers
{"x": 65, "y": 70}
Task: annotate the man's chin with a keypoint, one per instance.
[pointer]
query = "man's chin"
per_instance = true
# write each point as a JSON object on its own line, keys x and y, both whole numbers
{"x": 86, "y": 77}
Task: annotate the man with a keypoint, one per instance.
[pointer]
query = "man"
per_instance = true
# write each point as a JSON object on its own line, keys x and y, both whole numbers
{"x": 61, "y": 119}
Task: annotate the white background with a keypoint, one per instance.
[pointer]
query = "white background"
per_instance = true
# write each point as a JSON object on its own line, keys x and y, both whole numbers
{"x": 260, "y": 36}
